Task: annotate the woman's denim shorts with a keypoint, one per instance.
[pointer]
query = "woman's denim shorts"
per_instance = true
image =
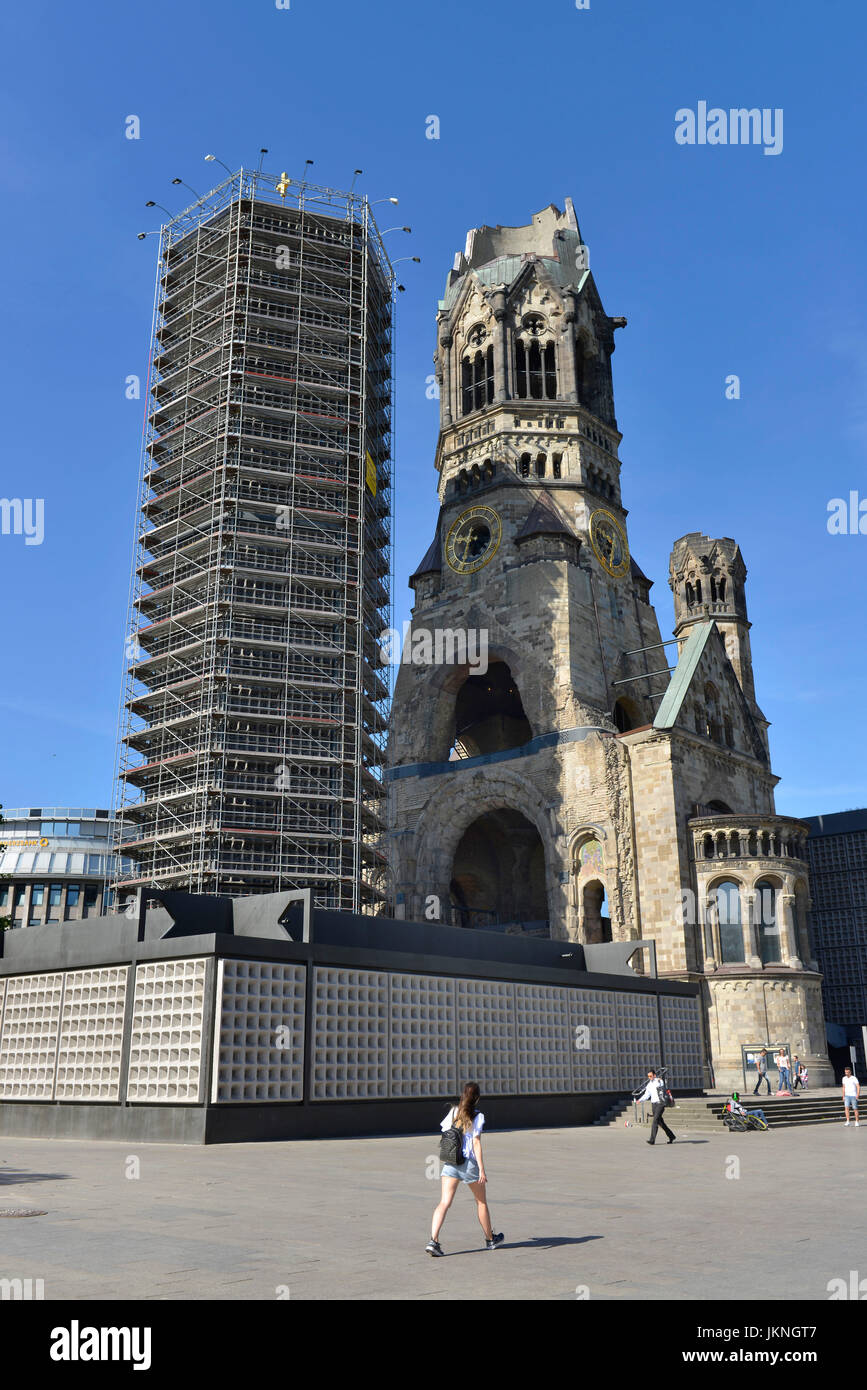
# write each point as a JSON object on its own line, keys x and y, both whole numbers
{"x": 468, "y": 1171}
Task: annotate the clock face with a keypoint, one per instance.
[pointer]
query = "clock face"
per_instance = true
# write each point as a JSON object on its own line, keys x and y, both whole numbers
{"x": 473, "y": 539}
{"x": 608, "y": 539}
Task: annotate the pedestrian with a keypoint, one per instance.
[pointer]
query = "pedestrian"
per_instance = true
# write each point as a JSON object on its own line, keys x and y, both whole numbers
{"x": 797, "y": 1070}
{"x": 654, "y": 1091}
{"x": 466, "y": 1117}
{"x": 851, "y": 1092}
{"x": 782, "y": 1061}
{"x": 805, "y": 1076}
{"x": 762, "y": 1070}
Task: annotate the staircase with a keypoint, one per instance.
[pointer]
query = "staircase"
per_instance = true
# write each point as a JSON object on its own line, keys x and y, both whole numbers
{"x": 704, "y": 1112}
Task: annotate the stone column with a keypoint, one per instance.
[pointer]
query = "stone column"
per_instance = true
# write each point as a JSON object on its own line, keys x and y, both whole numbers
{"x": 787, "y": 930}
{"x": 710, "y": 932}
{"x": 446, "y": 361}
{"x": 501, "y": 348}
{"x": 566, "y": 352}
{"x": 752, "y": 953}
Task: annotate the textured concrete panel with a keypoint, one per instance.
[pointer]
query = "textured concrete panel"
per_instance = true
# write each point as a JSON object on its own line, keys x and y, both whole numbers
{"x": 259, "y": 1042}
{"x": 91, "y": 1034}
{"x": 166, "y": 1051}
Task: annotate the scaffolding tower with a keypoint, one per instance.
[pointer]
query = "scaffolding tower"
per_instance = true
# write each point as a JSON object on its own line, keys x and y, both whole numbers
{"x": 254, "y": 712}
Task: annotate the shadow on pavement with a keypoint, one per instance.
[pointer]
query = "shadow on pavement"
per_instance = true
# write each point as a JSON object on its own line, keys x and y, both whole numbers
{"x": 17, "y": 1175}
{"x": 537, "y": 1243}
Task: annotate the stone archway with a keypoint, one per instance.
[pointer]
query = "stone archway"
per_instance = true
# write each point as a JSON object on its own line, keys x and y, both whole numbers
{"x": 498, "y": 872}
{"x": 447, "y": 817}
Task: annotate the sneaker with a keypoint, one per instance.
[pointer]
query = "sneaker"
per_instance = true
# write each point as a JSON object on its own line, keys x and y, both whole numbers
{"x": 433, "y": 1247}
{"x": 672, "y": 1139}
{"x": 494, "y": 1241}
{"x": 847, "y": 1124}
{"x": 857, "y": 1126}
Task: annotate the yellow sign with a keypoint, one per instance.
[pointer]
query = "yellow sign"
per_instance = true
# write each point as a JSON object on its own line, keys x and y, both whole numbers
{"x": 18, "y": 844}
{"x": 370, "y": 474}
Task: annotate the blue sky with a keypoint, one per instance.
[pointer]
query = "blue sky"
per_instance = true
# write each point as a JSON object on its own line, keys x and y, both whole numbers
{"x": 724, "y": 260}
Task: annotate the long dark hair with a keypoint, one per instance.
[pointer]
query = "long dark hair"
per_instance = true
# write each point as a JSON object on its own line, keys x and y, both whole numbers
{"x": 466, "y": 1111}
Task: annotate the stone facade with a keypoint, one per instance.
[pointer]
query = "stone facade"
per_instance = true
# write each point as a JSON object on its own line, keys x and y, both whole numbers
{"x": 576, "y": 781}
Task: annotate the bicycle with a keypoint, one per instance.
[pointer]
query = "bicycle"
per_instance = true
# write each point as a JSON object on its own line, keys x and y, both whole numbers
{"x": 741, "y": 1124}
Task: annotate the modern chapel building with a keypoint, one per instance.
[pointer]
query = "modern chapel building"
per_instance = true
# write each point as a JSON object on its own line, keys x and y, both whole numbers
{"x": 577, "y": 788}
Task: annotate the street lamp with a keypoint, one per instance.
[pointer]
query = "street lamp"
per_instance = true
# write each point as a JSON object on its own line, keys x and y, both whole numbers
{"x": 384, "y": 200}
{"x": 151, "y": 204}
{"x": 417, "y": 259}
{"x": 395, "y": 229}
{"x": 211, "y": 157}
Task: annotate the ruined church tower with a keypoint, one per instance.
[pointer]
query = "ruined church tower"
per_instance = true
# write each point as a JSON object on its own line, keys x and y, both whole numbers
{"x": 547, "y": 773}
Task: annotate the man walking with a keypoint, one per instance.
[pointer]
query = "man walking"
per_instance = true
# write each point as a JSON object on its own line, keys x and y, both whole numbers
{"x": 796, "y": 1074}
{"x": 851, "y": 1092}
{"x": 654, "y": 1091}
{"x": 762, "y": 1069}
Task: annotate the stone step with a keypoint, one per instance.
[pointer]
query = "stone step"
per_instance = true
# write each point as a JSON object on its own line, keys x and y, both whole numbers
{"x": 704, "y": 1112}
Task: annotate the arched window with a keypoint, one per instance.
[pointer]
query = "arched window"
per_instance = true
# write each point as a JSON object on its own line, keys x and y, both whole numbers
{"x": 477, "y": 379}
{"x": 540, "y": 465}
{"x": 726, "y": 903}
{"x": 557, "y": 464}
{"x": 534, "y": 373}
{"x": 766, "y": 922}
{"x": 729, "y": 732}
{"x": 524, "y": 465}
{"x": 550, "y": 373}
{"x": 626, "y": 715}
{"x": 520, "y": 369}
{"x": 690, "y": 595}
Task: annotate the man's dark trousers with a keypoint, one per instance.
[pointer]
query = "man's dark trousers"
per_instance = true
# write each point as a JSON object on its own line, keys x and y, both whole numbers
{"x": 658, "y": 1123}
{"x": 763, "y": 1076}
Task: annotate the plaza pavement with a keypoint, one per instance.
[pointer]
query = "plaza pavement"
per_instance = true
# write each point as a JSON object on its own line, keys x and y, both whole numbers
{"x": 348, "y": 1218}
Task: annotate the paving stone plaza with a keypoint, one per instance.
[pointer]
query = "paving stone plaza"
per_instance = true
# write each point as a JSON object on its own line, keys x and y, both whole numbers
{"x": 711, "y": 1217}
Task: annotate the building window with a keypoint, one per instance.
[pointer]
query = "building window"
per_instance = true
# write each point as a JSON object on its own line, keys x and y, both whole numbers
{"x": 19, "y": 896}
{"x": 73, "y": 893}
{"x": 4, "y": 894}
{"x": 477, "y": 380}
{"x": 91, "y": 899}
{"x": 766, "y": 922}
{"x": 535, "y": 371}
{"x": 557, "y": 464}
{"x": 726, "y": 902}
{"x": 37, "y": 895}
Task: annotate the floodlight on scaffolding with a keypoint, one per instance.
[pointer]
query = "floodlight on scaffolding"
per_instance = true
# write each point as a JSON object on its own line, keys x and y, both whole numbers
{"x": 210, "y": 159}
{"x": 417, "y": 260}
{"x": 396, "y": 229}
{"x": 393, "y": 201}
{"x": 186, "y": 185}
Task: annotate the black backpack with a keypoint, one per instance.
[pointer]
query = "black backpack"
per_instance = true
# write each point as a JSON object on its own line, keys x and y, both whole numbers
{"x": 452, "y": 1146}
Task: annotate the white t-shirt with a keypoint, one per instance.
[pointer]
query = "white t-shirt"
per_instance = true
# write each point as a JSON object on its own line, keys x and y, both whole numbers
{"x": 470, "y": 1135}
{"x": 850, "y": 1085}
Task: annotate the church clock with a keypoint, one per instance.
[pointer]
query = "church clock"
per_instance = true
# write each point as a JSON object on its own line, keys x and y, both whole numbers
{"x": 473, "y": 539}
{"x": 610, "y": 546}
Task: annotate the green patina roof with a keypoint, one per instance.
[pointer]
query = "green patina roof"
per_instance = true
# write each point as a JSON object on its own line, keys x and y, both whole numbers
{"x": 506, "y": 269}
{"x": 666, "y": 715}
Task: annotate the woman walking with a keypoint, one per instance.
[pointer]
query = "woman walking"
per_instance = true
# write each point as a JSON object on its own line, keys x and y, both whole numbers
{"x": 470, "y": 1121}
